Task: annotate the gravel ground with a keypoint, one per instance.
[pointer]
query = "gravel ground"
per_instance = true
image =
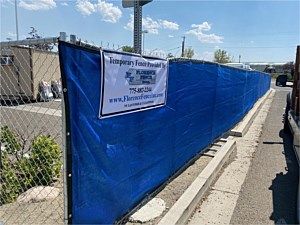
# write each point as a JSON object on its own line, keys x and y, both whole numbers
{"x": 47, "y": 212}
{"x": 172, "y": 192}
{"x": 29, "y": 125}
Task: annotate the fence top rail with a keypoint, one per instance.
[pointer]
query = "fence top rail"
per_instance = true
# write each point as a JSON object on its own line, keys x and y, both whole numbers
{"x": 49, "y": 40}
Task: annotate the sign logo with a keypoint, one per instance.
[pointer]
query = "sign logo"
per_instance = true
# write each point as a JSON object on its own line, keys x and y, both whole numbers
{"x": 140, "y": 77}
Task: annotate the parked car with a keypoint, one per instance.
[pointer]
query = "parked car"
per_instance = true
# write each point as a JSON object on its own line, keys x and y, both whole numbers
{"x": 239, "y": 66}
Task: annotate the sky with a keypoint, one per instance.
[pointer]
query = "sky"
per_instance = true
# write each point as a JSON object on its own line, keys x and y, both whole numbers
{"x": 249, "y": 31}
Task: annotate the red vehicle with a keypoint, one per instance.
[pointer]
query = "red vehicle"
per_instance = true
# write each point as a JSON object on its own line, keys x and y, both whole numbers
{"x": 291, "y": 116}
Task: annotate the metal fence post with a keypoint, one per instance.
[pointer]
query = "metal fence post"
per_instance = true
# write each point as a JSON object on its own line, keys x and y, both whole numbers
{"x": 62, "y": 36}
{"x": 73, "y": 39}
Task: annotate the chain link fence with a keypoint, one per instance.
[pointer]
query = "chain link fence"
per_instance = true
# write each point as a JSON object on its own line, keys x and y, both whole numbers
{"x": 31, "y": 166}
{"x": 32, "y": 187}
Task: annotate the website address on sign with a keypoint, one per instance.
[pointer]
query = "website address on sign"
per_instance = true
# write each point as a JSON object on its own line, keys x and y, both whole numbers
{"x": 128, "y": 98}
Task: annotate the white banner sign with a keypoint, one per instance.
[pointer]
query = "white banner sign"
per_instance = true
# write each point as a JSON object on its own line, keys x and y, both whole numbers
{"x": 131, "y": 83}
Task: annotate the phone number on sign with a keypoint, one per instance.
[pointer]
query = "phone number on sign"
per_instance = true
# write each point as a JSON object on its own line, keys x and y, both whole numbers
{"x": 140, "y": 90}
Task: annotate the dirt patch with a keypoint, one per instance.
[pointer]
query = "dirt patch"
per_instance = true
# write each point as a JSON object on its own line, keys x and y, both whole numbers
{"x": 172, "y": 191}
{"x": 46, "y": 212}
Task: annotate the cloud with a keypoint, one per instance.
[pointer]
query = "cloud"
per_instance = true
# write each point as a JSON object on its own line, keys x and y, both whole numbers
{"x": 129, "y": 25}
{"x": 153, "y": 31}
{"x": 37, "y": 4}
{"x": 205, "y": 38}
{"x": 170, "y": 36}
{"x": 6, "y": 3}
{"x": 153, "y": 25}
{"x": 85, "y": 7}
{"x": 204, "y": 26}
{"x": 150, "y": 23}
{"x": 109, "y": 12}
{"x": 208, "y": 56}
{"x": 169, "y": 25}
{"x": 11, "y": 34}
{"x": 64, "y": 4}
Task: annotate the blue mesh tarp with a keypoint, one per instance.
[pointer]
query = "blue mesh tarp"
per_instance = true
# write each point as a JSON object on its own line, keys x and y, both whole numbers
{"x": 115, "y": 162}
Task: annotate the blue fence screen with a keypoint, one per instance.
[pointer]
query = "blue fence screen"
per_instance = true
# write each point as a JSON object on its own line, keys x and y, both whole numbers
{"x": 116, "y": 161}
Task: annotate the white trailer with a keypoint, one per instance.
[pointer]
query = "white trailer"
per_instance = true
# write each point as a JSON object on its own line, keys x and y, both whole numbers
{"x": 23, "y": 69}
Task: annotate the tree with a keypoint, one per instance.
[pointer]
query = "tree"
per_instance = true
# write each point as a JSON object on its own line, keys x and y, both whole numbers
{"x": 288, "y": 66}
{"x": 189, "y": 53}
{"x": 127, "y": 48}
{"x": 34, "y": 35}
{"x": 221, "y": 56}
{"x": 170, "y": 55}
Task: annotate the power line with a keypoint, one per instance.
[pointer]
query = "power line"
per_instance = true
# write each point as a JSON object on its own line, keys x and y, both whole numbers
{"x": 173, "y": 48}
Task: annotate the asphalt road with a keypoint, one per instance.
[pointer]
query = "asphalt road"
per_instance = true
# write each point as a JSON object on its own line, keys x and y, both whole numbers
{"x": 32, "y": 119}
{"x": 269, "y": 193}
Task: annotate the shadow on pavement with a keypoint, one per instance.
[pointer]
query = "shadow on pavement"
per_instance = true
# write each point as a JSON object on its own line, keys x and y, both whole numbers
{"x": 52, "y": 104}
{"x": 14, "y": 102}
{"x": 285, "y": 186}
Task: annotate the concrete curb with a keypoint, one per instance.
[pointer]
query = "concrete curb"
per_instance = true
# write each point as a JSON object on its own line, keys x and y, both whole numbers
{"x": 242, "y": 127}
{"x": 186, "y": 204}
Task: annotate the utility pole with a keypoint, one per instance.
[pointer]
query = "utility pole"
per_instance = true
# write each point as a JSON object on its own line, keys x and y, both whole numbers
{"x": 137, "y": 20}
{"x": 16, "y": 14}
{"x": 182, "y": 49}
{"x": 137, "y": 42}
{"x": 144, "y": 32}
